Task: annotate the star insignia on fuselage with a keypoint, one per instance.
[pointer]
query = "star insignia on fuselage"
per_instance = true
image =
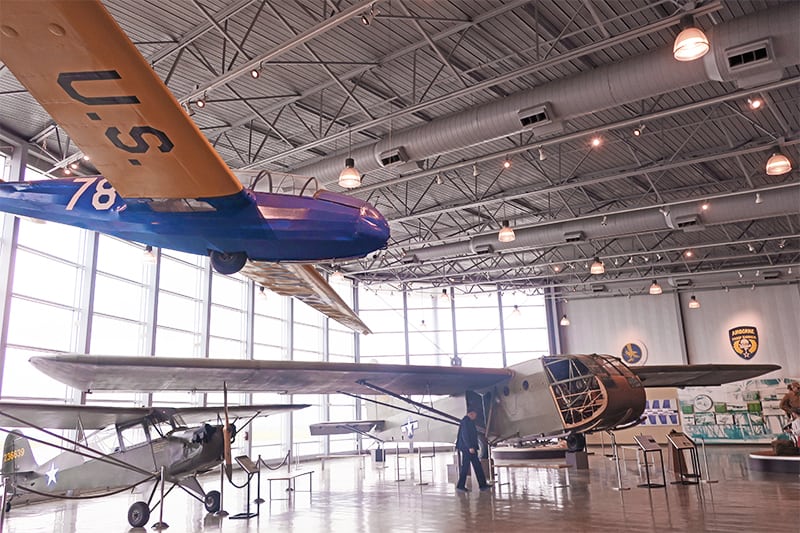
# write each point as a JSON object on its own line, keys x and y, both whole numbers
{"x": 51, "y": 474}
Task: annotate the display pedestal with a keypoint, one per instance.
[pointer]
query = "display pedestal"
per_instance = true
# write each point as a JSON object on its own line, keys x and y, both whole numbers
{"x": 681, "y": 444}
{"x": 649, "y": 445}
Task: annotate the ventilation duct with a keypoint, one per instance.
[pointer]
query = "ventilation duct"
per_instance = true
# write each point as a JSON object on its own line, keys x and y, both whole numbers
{"x": 689, "y": 223}
{"x": 611, "y": 85}
{"x": 573, "y": 236}
{"x": 395, "y": 156}
{"x": 729, "y": 209}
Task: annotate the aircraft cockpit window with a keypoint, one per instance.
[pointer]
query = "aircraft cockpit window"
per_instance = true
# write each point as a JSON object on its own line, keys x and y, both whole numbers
{"x": 278, "y": 182}
{"x": 178, "y": 422}
{"x": 162, "y": 428}
{"x": 132, "y": 436}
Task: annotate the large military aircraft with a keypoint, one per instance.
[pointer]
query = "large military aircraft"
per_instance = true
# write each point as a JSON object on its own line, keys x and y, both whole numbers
{"x": 555, "y": 396}
{"x": 163, "y": 184}
{"x": 130, "y": 449}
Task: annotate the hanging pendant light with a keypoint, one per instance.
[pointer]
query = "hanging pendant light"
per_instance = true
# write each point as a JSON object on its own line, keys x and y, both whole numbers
{"x": 349, "y": 177}
{"x": 694, "y": 303}
{"x": 655, "y": 288}
{"x": 506, "y": 233}
{"x": 597, "y": 267}
{"x": 778, "y": 164}
{"x": 564, "y": 321}
{"x": 691, "y": 43}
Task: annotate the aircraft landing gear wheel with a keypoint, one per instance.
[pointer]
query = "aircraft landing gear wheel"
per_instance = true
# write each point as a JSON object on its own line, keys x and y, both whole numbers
{"x": 576, "y": 442}
{"x": 211, "y": 501}
{"x": 139, "y": 514}
{"x": 228, "y": 263}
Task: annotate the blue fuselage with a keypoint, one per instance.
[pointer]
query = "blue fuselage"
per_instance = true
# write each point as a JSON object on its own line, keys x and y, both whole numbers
{"x": 264, "y": 226}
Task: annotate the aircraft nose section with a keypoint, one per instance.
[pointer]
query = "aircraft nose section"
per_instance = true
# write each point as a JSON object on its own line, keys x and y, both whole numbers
{"x": 373, "y": 227}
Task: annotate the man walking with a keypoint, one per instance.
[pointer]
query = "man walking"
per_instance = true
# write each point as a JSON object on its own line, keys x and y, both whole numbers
{"x": 467, "y": 445}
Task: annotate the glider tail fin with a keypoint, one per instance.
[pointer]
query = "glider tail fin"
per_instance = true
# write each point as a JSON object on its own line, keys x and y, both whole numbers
{"x": 17, "y": 455}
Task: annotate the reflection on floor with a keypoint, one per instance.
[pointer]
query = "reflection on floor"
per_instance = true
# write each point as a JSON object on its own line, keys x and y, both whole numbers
{"x": 350, "y": 498}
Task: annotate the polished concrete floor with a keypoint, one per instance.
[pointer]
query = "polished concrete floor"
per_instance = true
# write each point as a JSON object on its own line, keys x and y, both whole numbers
{"x": 349, "y": 497}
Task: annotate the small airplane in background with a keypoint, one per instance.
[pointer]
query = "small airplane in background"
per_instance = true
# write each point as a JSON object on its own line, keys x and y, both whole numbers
{"x": 564, "y": 396}
{"x": 130, "y": 449}
{"x": 163, "y": 184}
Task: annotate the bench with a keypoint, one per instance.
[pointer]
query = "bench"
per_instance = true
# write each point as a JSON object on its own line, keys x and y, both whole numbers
{"x": 291, "y": 479}
{"x": 499, "y": 466}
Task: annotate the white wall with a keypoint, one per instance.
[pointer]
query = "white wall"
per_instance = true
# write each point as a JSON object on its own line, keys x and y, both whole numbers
{"x": 774, "y": 311}
{"x": 605, "y": 325}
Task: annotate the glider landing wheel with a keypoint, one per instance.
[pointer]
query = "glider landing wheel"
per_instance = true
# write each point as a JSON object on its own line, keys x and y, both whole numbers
{"x": 138, "y": 514}
{"x": 211, "y": 501}
{"x": 576, "y": 442}
{"x": 228, "y": 263}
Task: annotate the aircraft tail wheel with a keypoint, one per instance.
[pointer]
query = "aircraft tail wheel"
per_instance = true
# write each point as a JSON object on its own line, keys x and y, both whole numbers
{"x": 576, "y": 442}
{"x": 228, "y": 263}
{"x": 138, "y": 514}
{"x": 211, "y": 501}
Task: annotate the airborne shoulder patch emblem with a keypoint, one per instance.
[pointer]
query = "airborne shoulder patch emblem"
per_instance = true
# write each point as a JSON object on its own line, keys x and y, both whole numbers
{"x": 744, "y": 341}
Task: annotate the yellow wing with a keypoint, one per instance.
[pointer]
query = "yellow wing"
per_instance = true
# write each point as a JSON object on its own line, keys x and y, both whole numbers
{"x": 82, "y": 68}
{"x": 304, "y": 283}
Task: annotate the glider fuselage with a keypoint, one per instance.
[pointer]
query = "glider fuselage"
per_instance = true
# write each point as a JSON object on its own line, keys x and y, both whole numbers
{"x": 264, "y": 226}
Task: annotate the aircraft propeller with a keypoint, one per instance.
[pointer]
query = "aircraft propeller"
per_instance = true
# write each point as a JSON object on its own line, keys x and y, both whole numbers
{"x": 226, "y": 434}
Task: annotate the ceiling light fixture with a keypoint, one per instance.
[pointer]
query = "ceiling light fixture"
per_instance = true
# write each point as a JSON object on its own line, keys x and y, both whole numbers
{"x": 705, "y": 206}
{"x": 597, "y": 267}
{"x": 694, "y": 303}
{"x": 655, "y": 288}
{"x": 200, "y": 102}
{"x": 438, "y": 179}
{"x": 564, "y": 321}
{"x": 542, "y": 155}
{"x": 556, "y": 269}
{"x": 516, "y": 311}
{"x": 755, "y": 103}
{"x": 688, "y": 253}
{"x": 506, "y": 233}
{"x": 507, "y": 163}
{"x": 67, "y": 171}
{"x": 750, "y": 248}
{"x": 758, "y": 198}
{"x": 262, "y": 292}
{"x": 444, "y": 296}
{"x": 255, "y": 73}
{"x": 349, "y": 178}
{"x": 73, "y": 166}
{"x": 596, "y": 141}
{"x": 475, "y": 172}
{"x": 85, "y": 157}
{"x": 638, "y": 130}
{"x": 778, "y": 164}
{"x": 691, "y": 43}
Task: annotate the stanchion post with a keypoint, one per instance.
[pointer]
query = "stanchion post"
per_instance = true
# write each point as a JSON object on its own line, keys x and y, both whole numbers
{"x": 259, "y": 499}
{"x": 222, "y": 511}
{"x": 705, "y": 462}
{"x": 615, "y": 458}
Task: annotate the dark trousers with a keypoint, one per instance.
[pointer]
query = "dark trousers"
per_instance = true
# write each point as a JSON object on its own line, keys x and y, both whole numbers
{"x": 467, "y": 459}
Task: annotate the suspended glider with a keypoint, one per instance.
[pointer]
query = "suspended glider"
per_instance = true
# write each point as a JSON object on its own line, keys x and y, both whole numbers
{"x": 163, "y": 184}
